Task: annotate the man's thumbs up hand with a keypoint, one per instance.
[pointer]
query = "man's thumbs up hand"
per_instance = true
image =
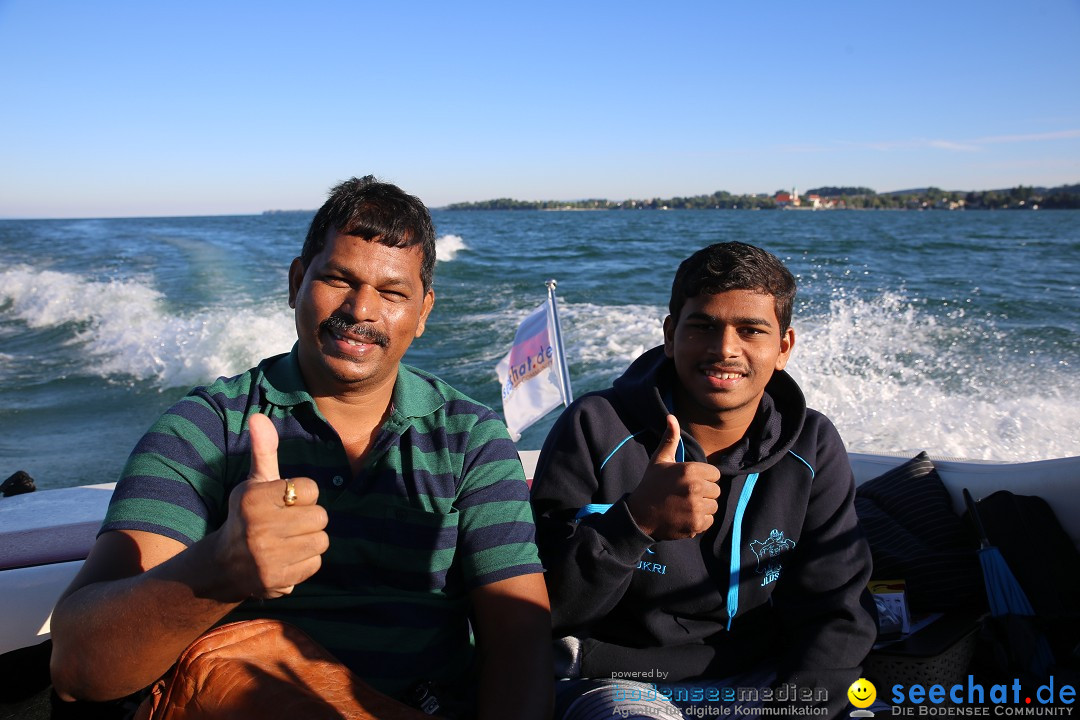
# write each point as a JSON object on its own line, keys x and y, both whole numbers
{"x": 674, "y": 499}
{"x": 267, "y": 544}
{"x": 264, "y": 443}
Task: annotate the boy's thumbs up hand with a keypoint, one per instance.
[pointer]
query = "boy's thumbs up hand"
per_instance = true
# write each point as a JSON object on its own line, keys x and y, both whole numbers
{"x": 674, "y": 499}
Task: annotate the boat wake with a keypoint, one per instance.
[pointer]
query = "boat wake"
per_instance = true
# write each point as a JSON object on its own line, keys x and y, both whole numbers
{"x": 891, "y": 374}
{"x": 124, "y": 329}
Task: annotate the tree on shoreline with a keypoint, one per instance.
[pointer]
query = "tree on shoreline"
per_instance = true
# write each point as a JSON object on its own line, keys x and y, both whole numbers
{"x": 852, "y": 198}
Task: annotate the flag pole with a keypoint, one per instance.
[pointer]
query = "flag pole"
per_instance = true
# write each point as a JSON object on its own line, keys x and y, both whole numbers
{"x": 560, "y": 351}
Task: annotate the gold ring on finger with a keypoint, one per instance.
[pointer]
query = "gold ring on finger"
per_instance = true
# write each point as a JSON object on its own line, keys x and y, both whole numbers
{"x": 290, "y": 493}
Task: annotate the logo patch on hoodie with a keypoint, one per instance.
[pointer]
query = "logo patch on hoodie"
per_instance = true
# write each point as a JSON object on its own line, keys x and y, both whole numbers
{"x": 768, "y": 551}
{"x": 652, "y": 566}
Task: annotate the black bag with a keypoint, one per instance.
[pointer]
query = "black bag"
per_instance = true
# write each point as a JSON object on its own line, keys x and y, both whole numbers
{"x": 1046, "y": 564}
{"x": 1037, "y": 549}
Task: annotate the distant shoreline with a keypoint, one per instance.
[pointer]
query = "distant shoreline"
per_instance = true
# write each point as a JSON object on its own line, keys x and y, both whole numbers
{"x": 824, "y": 198}
{"x": 457, "y": 208}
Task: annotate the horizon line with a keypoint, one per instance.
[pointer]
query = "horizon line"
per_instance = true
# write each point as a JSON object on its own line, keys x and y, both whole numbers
{"x": 445, "y": 206}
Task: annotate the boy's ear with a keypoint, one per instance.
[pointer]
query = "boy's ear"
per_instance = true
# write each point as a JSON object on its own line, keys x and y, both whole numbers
{"x": 669, "y": 337}
{"x": 787, "y": 343}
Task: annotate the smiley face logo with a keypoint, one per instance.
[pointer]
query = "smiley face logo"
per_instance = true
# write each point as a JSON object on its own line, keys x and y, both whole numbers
{"x": 862, "y": 693}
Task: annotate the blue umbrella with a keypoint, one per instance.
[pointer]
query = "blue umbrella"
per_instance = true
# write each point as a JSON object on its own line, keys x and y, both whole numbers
{"x": 1003, "y": 590}
{"x": 1005, "y": 595}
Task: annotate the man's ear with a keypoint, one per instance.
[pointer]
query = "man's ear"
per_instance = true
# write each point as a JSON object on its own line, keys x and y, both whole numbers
{"x": 429, "y": 302}
{"x": 669, "y": 337}
{"x": 787, "y": 342}
{"x": 296, "y": 278}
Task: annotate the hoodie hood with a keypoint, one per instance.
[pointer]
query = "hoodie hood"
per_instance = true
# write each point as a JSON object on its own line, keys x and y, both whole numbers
{"x": 645, "y": 390}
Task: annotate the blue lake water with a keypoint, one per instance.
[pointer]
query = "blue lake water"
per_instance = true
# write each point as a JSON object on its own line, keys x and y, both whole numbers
{"x": 953, "y": 332}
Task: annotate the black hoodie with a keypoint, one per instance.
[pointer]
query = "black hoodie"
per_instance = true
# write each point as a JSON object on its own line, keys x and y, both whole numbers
{"x": 641, "y": 605}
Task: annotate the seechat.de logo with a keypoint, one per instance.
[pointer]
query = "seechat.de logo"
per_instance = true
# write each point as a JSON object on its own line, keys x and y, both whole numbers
{"x": 974, "y": 698}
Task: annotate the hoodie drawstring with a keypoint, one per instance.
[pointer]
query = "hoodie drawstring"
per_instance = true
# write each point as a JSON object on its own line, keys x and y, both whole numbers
{"x": 736, "y": 542}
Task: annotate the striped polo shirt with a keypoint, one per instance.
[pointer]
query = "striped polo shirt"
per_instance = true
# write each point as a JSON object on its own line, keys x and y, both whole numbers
{"x": 440, "y": 507}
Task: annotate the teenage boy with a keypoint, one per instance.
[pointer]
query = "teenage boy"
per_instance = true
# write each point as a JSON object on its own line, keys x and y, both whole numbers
{"x": 696, "y": 519}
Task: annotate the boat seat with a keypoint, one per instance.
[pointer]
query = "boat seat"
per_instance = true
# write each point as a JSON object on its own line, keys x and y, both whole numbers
{"x": 44, "y": 537}
{"x": 1054, "y": 480}
{"x": 57, "y": 526}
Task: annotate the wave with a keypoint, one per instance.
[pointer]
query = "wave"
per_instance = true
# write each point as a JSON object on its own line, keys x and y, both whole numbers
{"x": 448, "y": 246}
{"x": 48, "y": 298}
{"x": 611, "y": 335}
{"x": 894, "y": 378}
{"x": 124, "y": 328}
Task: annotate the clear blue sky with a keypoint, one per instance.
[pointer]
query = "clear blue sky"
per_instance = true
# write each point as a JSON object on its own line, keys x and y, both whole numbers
{"x": 111, "y": 108}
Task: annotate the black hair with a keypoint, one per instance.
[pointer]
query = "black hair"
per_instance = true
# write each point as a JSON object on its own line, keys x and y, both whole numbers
{"x": 373, "y": 210}
{"x": 733, "y": 266}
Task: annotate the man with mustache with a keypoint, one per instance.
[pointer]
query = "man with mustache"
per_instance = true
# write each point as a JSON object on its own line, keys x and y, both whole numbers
{"x": 401, "y": 530}
{"x": 696, "y": 519}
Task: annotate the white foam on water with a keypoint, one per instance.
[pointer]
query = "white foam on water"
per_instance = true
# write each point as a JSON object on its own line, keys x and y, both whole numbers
{"x": 448, "y": 246}
{"x": 47, "y": 298}
{"x": 894, "y": 378}
{"x": 609, "y": 337}
{"x": 124, "y": 328}
{"x": 183, "y": 351}
{"x": 890, "y": 375}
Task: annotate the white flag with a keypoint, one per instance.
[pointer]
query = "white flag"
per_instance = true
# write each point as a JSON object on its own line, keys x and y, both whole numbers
{"x": 532, "y": 372}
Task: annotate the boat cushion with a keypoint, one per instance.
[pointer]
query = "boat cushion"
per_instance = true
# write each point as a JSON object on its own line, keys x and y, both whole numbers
{"x": 916, "y": 537}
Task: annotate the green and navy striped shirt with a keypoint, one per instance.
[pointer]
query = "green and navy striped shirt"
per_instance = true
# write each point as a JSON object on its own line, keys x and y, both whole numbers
{"x": 440, "y": 507}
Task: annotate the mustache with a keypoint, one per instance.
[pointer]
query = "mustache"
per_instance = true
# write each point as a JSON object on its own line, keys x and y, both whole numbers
{"x": 344, "y": 326}
{"x": 729, "y": 368}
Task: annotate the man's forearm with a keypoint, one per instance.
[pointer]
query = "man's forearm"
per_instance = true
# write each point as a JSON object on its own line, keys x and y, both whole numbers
{"x": 513, "y": 632}
{"x": 514, "y": 683}
{"x": 114, "y": 637}
{"x": 141, "y": 598}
